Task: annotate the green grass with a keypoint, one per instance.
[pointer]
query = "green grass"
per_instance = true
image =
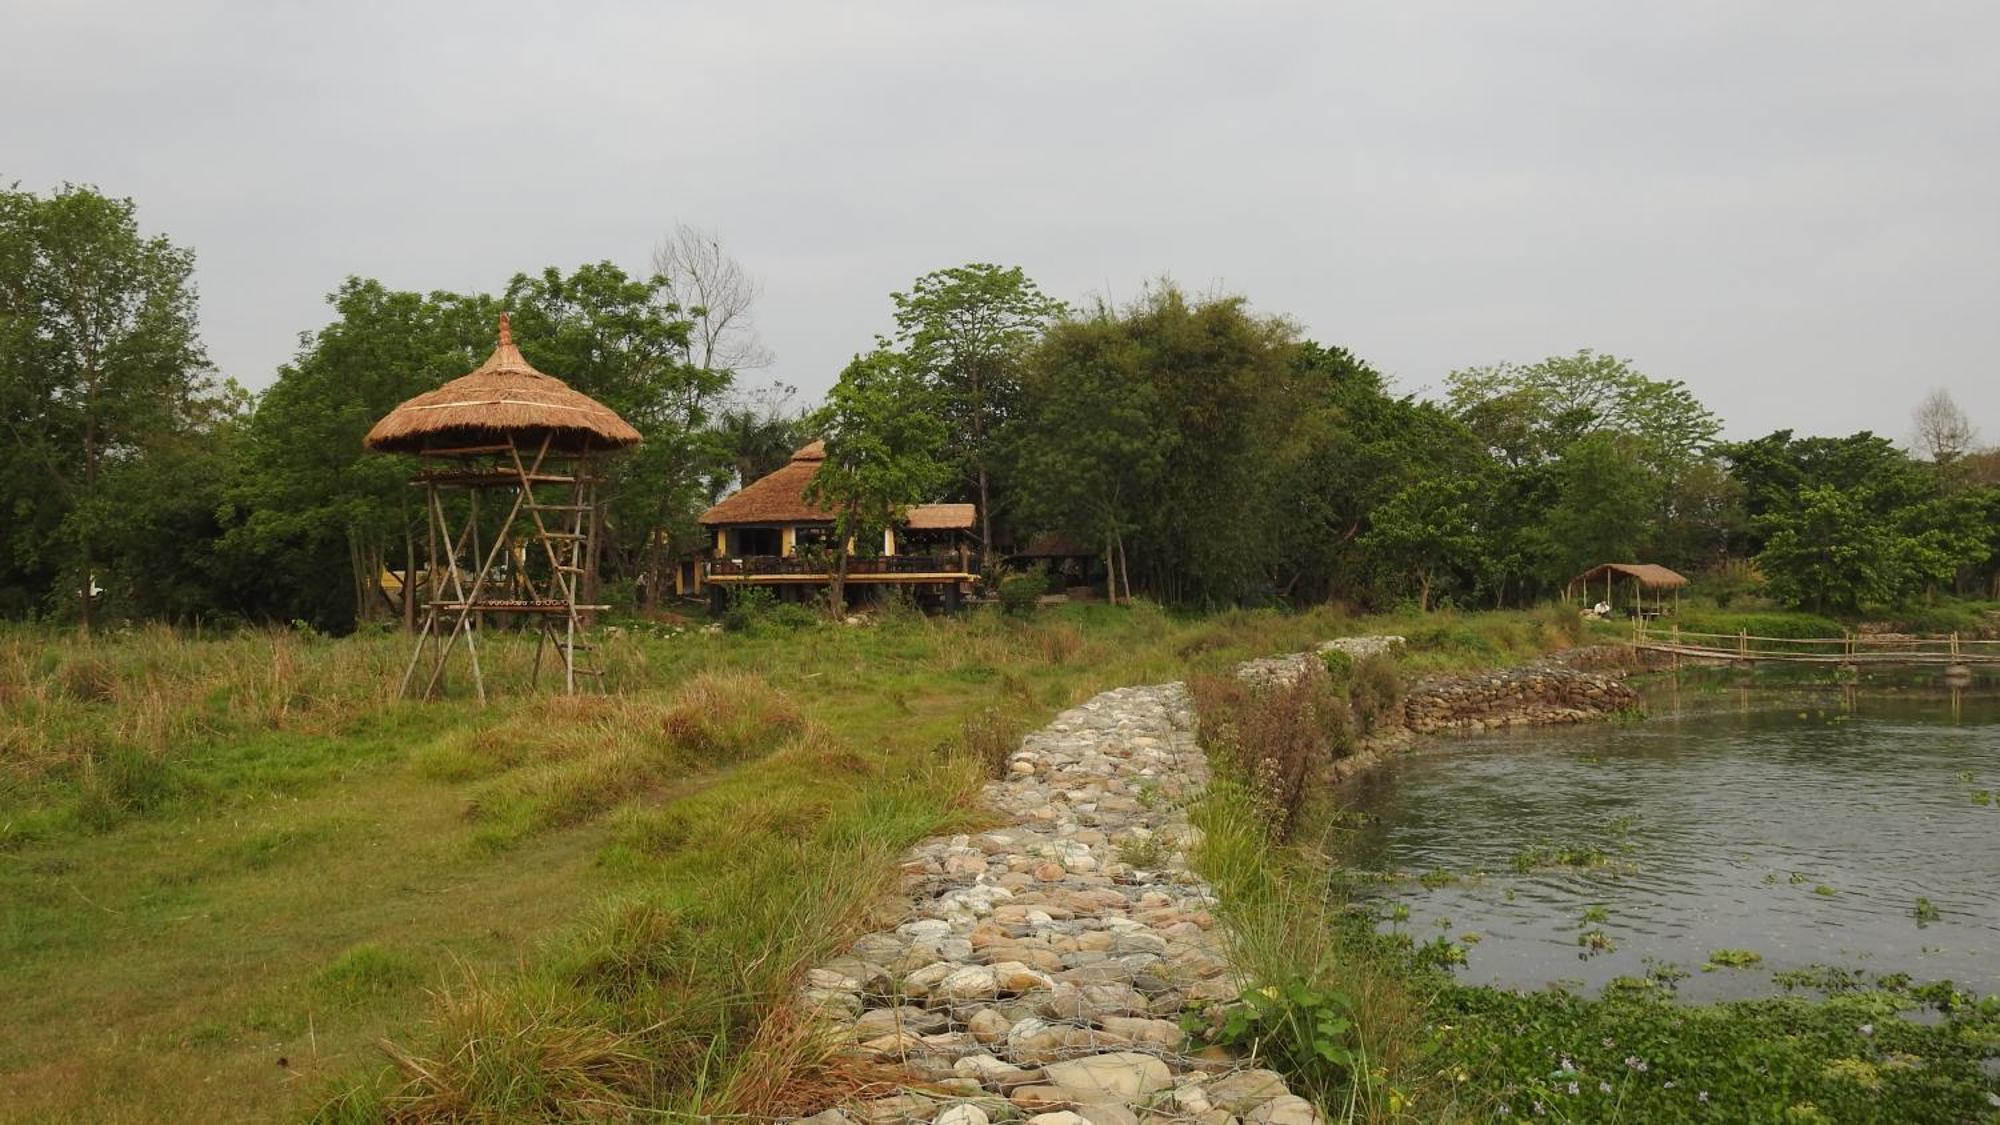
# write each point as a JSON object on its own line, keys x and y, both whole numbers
{"x": 222, "y": 852}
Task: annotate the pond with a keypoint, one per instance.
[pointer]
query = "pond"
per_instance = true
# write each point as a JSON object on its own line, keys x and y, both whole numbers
{"x": 1808, "y": 826}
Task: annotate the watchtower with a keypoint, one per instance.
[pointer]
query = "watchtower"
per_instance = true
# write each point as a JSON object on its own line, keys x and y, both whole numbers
{"x": 511, "y": 439}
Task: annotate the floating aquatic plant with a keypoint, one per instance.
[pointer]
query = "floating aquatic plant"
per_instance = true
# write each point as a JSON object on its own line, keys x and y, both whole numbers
{"x": 1731, "y": 959}
{"x": 1924, "y": 912}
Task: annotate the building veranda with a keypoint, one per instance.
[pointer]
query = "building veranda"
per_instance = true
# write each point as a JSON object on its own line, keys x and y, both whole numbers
{"x": 769, "y": 535}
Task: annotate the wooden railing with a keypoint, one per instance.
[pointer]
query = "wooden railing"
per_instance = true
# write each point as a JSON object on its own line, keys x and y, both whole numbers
{"x": 1851, "y": 648}
{"x": 773, "y": 565}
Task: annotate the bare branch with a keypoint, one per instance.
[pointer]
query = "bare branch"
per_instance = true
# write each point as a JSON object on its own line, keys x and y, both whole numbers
{"x": 1943, "y": 432}
{"x": 717, "y": 294}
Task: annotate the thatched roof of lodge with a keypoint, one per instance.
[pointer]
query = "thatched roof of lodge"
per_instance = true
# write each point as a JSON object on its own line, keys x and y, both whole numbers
{"x": 939, "y": 517}
{"x": 780, "y": 498}
{"x": 777, "y": 498}
{"x": 1651, "y": 576}
{"x": 504, "y": 397}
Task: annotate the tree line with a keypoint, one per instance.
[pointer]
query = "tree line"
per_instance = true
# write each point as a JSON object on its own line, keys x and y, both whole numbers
{"x": 1206, "y": 452}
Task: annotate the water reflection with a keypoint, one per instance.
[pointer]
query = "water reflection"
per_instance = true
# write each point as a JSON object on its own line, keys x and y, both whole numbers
{"x": 1800, "y": 821}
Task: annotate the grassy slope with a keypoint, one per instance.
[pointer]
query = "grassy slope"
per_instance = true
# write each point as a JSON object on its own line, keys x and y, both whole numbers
{"x": 220, "y": 853}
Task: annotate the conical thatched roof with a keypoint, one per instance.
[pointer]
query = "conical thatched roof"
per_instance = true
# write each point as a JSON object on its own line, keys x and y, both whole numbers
{"x": 504, "y": 397}
{"x": 777, "y": 498}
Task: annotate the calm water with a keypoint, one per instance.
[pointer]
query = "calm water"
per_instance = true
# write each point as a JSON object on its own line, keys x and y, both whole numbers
{"x": 1722, "y": 815}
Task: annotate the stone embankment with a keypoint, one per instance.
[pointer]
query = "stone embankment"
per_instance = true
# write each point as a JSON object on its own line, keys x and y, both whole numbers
{"x": 1553, "y": 690}
{"x": 1567, "y": 687}
{"x": 1044, "y": 966}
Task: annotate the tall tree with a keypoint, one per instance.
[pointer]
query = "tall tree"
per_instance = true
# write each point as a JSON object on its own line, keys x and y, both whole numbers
{"x": 100, "y": 366}
{"x": 1345, "y": 446}
{"x": 883, "y": 443}
{"x": 624, "y": 341}
{"x": 1532, "y": 413}
{"x": 1429, "y": 529}
{"x": 757, "y": 437}
{"x": 1083, "y": 453}
{"x": 1830, "y": 552}
{"x": 1604, "y": 499}
{"x": 1945, "y": 437}
{"x": 313, "y": 517}
{"x": 966, "y": 331}
{"x": 718, "y": 297}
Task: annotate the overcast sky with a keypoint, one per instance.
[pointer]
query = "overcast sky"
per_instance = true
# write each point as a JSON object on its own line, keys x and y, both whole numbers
{"x": 1794, "y": 207}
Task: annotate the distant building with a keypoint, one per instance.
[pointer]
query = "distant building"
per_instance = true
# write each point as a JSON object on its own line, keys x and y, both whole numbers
{"x": 769, "y": 534}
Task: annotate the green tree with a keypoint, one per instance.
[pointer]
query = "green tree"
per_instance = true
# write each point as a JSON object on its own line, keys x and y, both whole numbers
{"x": 966, "y": 331}
{"x": 314, "y": 517}
{"x": 1604, "y": 500}
{"x": 883, "y": 449}
{"x": 101, "y": 367}
{"x": 1534, "y": 412}
{"x": 1084, "y": 454}
{"x": 623, "y": 341}
{"x": 1830, "y": 552}
{"x": 1345, "y": 446}
{"x": 755, "y": 440}
{"x": 1429, "y": 530}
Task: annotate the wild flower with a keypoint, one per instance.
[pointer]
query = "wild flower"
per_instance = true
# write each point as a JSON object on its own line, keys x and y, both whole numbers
{"x": 1866, "y": 1029}
{"x": 1702, "y": 1097}
{"x": 1575, "y": 1089}
{"x": 1604, "y": 1087}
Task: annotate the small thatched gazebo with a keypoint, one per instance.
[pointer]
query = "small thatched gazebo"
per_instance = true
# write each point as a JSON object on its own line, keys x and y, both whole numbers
{"x": 505, "y": 398}
{"x": 1642, "y": 576}
{"x": 510, "y": 430}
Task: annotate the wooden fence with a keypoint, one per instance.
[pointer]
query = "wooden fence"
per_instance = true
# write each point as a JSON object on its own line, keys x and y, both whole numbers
{"x": 1889, "y": 649}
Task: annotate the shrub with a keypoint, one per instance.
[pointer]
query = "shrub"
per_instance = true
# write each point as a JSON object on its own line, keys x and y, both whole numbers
{"x": 791, "y": 617}
{"x": 1339, "y": 666}
{"x": 747, "y": 605}
{"x": 1270, "y": 737}
{"x": 1375, "y": 693}
{"x": 1019, "y": 592}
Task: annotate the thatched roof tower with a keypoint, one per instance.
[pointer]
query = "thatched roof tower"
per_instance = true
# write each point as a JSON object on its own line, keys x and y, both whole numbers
{"x": 504, "y": 398}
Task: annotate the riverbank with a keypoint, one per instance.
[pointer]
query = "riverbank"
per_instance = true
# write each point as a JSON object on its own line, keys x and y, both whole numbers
{"x": 1049, "y": 966}
{"x": 1577, "y": 684}
{"x": 1849, "y": 1046}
